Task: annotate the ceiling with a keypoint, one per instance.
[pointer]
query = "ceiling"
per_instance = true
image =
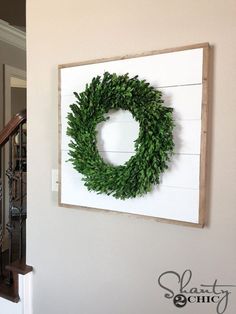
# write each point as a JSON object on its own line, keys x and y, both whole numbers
{"x": 13, "y": 12}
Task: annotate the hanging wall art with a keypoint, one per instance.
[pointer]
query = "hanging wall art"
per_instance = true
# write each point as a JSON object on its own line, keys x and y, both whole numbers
{"x": 133, "y": 134}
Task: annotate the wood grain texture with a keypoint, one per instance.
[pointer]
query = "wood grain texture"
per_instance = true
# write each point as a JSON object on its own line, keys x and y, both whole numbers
{"x": 59, "y": 136}
{"x": 20, "y": 267}
{"x": 204, "y": 135}
{"x": 11, "y": 127}
{"x": 162, "y": 71}
{"x": 138, "y": 55}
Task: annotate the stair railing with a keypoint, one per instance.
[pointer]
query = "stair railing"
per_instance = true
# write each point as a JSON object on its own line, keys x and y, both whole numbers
{"x": 12, "y": 198}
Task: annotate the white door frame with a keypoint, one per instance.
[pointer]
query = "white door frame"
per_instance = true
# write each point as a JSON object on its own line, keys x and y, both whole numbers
{"x": 10, "y": 71}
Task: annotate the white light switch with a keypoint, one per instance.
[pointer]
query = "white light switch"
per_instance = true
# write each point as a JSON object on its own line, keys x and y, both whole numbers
{"x": 54, "y": 180}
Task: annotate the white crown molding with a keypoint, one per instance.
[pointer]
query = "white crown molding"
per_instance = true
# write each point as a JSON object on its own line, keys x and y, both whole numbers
{"x": 12, "y": 35}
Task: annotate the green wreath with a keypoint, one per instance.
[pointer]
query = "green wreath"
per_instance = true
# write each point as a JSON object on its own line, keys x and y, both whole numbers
{"x": 153, "y": 147}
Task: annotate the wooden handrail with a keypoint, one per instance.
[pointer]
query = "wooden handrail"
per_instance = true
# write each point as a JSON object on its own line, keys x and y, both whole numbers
{"x": 12, "y": 174}
{"x": 11, "y": 127}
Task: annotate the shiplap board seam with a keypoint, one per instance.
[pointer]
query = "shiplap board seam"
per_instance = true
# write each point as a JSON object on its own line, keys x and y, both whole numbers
{"x": 180, "y": 85}
{"x": 187, "y": 136}
{"x": 176, "y": 68}
{"x": 158, "y": 87}
{"x": 179, "y": 98}
{"x": 178, "y": 187}
{"x": 185, "y": 169}
{"x": 161, "y": 87}
{"x": 128, "y": 152}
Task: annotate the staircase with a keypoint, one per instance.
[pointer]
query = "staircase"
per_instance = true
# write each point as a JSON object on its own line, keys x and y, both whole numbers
{"x": 13, "y": 212}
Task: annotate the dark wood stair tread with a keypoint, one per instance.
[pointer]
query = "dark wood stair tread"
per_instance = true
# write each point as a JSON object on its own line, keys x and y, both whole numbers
{"x": 19, "y": 267}
{"x": 11, "y": 293}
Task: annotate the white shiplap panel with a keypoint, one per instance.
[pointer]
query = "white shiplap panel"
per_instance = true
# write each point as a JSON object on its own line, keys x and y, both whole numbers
{"x": 119, "y": 136}
{"x": 119, "y": 116}
{"x": 115, "y": 158}
{"x": 163, "y": 202}
{"x": 183, "y": 171}
{"x": 179, "y": 77}
{"x": 66, "y": 101}
{"x": 187, "y": 136}
{"x": 168, "y": 69}
{"x": 186, "y": 101}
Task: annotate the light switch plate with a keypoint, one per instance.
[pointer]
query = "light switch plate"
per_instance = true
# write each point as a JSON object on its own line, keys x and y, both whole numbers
{"x": 54, "y": 180}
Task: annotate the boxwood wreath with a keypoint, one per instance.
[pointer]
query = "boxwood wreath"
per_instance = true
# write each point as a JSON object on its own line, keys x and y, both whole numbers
{"x": 153, "y": 147}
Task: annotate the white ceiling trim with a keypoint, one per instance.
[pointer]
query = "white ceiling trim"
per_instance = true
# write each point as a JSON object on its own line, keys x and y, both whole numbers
{"x": 12, "y": 35}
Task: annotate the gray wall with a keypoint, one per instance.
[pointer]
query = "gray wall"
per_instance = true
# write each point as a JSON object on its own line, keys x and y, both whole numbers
{"x": 90, "y": 262}
{"x": 18, "y": 100}
{"x": 14, "y": 57}
{"x": 13, "y": 12}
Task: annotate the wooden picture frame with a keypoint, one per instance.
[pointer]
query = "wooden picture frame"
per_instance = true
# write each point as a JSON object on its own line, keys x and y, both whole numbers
{"x": 204, "y": 48}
